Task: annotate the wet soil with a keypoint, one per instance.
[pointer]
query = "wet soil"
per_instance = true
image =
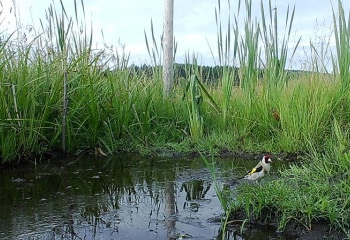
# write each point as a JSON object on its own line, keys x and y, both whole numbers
{"x": 294, "y": 230}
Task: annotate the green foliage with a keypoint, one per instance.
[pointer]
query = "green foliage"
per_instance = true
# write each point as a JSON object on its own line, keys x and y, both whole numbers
{"x": 314, "y": 191}
{"x": 194, "y": 109}
{"x": 123, "y": 108}
{"x": 295, "y": 114}
{"x": 254, "y": 104}
{"x": 275, "y": 55}
{"x": 220, "y": 192}
{"x": 342, "y": 37}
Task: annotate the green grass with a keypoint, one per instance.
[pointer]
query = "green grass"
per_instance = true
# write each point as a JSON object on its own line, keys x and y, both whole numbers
{"x": 314, "y": 114}
{"x": 117, "y": 108}
{"x": 120, "y": 109}
{"x": 311, "y": 191}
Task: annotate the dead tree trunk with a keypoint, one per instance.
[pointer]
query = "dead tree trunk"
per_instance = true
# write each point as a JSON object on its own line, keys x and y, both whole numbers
{"x": 168, "y": 48}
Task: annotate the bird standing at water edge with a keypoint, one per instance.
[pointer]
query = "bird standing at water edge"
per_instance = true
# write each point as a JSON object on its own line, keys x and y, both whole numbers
{"x": 260, "y": 170}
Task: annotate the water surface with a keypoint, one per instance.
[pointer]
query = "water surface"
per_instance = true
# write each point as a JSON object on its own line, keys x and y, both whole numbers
{"x": 123, "y": 197}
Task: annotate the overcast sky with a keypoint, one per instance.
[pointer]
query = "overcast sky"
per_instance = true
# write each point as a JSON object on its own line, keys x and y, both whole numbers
{"x": 125, "y": 21}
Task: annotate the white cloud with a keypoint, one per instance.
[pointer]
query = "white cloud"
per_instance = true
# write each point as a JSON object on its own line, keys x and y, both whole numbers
{"x": 126, "y": 21}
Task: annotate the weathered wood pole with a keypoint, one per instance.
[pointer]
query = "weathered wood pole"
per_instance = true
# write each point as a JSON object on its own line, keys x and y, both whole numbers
{"x": 168, "y": 48}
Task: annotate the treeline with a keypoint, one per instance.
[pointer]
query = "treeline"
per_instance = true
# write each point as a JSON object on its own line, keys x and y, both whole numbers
{"x": 208, "y": 74}
{"x": 211, "y": 75}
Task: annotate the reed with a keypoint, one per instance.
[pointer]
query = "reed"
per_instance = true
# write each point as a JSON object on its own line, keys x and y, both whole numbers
{"x": 291, "y": 113}
{"x": 58, "y": 92}
{"x": 306, "y": 108}
{"x": 120, "y": 108}
{"x": 342, "y": 36}
{"x": 194, "y": 109}
{"x": 276, "y": 49}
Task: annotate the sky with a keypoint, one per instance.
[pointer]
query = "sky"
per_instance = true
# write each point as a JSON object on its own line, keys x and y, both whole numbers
{"x": 123, "y": 23}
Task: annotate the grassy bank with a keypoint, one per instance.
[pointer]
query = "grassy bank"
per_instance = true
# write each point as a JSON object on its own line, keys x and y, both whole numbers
{"x": 314, "y": 119}
{"x": 314, "y": 191}
{"x": 57, "y": 92}
{"x": 121, "y": 111}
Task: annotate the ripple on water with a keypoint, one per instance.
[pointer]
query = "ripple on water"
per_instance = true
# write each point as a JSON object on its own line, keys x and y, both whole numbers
{"x": 129, "y": 197}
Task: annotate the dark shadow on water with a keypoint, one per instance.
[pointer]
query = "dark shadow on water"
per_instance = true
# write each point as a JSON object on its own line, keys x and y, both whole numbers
{"x": 124, "y": 197}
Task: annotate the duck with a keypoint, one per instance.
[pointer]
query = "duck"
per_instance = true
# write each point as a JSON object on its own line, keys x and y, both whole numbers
{"x": 260, "y": 170}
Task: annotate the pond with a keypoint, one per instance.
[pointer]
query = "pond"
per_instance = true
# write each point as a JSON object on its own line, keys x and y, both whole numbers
{"x": 123, "y": 197}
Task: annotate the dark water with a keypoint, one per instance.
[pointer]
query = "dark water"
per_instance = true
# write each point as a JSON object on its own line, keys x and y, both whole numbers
{"x": 125, "y": 197}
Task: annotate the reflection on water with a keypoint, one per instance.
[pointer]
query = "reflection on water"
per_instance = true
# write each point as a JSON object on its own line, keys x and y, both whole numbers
{"x": 126, "y": 197}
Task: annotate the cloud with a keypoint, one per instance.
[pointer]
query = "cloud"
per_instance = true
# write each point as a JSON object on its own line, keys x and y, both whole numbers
{"x": 126, "y": 20}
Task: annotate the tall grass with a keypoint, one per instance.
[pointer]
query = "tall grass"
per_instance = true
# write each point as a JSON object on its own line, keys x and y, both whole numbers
{"x": 244, "y": 33}
{"x": 306, "y": 106}
{"x": 245, "y": 54}
{"x": 308, "y": 193}
{"x": 59, "y": 76}
{"x": 276, "y": 56}
{"x": 342, "y": 37}
{"x": 59, "y": 92}
{"x": 120, "y": 108}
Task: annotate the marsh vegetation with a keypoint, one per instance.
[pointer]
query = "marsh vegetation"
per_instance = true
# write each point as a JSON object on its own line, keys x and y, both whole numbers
{"x": 57, "y": 92}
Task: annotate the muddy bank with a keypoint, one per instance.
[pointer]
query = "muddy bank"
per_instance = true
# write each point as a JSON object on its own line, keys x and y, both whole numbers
{"x": 239, "y": 224}
{"x": 58, "y": 153}
{"x": 225, "y": 153}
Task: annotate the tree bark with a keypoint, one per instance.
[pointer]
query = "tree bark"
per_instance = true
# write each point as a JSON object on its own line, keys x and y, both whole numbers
{"x": 168, "y": 48}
